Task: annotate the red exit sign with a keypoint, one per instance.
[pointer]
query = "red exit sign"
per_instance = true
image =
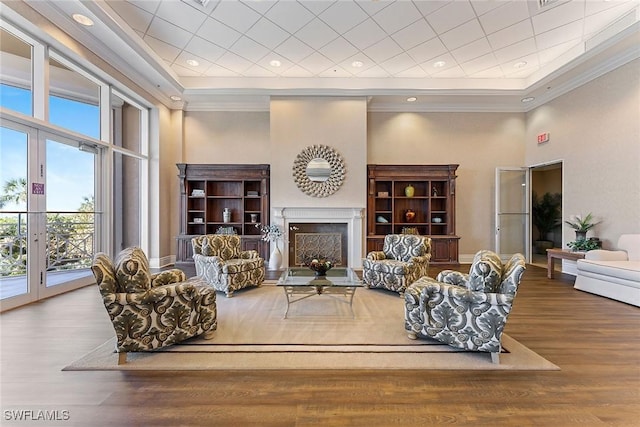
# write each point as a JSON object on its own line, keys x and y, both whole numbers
{"x": 543, "y": 137}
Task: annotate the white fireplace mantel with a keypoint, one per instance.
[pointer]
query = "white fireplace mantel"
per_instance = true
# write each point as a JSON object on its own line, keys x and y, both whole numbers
{"x": 353, "y": 217}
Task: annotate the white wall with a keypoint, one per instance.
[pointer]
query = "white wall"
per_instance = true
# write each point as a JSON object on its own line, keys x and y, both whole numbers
{"x": 595, "y": 129}
{"x": 478, "y": 142}
{"x": 226, "y": 137}
{"x": 297, "y": 123}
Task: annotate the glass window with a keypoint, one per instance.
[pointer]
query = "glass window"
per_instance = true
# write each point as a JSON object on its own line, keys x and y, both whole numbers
{"x": 73, "y": 100}
{"x": 15, "y": 74}
{"x": 70, "y": 209}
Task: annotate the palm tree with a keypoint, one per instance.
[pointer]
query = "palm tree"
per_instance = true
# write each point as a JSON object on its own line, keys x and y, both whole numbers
{"x": 14, "y": 191}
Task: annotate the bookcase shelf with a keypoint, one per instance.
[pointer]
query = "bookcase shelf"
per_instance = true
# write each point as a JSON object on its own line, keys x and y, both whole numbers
{"x": 207, "y": 189}
{"x": 432, "y": 202}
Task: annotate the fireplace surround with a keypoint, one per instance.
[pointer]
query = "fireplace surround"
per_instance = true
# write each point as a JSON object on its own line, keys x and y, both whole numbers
{"x": 353, "y": 217}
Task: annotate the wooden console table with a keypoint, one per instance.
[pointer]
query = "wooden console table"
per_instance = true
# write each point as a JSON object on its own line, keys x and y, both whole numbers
{"x": 553, "y": 254}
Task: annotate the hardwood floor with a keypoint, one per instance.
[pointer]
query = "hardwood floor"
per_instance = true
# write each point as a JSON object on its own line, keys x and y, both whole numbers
{"x": 595, "y": 341}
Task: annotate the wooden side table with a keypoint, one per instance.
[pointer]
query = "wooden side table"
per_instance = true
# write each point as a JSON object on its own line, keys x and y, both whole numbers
{"x": 553, "y": 254}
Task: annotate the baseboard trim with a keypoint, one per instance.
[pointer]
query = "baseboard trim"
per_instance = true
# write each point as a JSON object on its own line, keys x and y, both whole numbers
{"x": 162, "y": 262}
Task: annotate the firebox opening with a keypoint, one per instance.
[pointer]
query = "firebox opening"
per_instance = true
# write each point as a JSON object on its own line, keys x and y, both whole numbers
{"x": 327, "y": 240}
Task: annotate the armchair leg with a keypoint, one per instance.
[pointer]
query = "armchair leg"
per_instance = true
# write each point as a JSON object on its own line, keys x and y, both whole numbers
{"x": 229, "y": 294}
{"x": 495, "y": 358}
{"x": 209, "y": 335}
{"x": 412, "y": 335}
{"x": 122, "y": 358}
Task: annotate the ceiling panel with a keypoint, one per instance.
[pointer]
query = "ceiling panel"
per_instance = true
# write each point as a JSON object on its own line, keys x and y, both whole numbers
{"x": 478, "y": 40}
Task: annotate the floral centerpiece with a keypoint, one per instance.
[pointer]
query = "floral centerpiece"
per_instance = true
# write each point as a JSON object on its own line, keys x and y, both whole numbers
{"x": 319, "y": 264}
{"x": 270, "y": 233}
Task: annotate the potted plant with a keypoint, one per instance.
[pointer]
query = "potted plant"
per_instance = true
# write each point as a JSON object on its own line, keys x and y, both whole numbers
{"x": 582, "y": 224}
{"x": 545, "y": 217}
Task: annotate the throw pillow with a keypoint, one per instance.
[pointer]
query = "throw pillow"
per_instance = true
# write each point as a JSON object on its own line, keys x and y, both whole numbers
{"x": 486, "y": 272}
{"x": 132, "y": 270}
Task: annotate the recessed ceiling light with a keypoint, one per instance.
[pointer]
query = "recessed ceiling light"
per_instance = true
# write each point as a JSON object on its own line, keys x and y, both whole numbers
{"x": 83, "y": 20}
{"x": 412, "y": 99}
{"x": 175, "y": 98}
{"x": 527, "y": 99}
{"x": 520, "y": 64}
{"x": 275, "y": 63}
{"x": 439, "y": 64}
{"x": 193, "y": 62}
{"x": 357, "y": 64}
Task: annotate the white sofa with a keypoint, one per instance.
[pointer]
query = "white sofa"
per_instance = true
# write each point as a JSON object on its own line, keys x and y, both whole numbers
{"x": 613, "y": 274}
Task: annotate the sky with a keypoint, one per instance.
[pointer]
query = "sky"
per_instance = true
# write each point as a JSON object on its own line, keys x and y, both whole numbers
{"x": 69, "y": 177}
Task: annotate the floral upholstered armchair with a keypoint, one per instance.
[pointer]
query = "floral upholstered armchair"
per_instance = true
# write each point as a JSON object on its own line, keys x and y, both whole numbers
{"x": 467, "y": 311}
{"x": 150, "y": 311}
{"x": 404, "y": 258}
{"x": 220, "y": 261}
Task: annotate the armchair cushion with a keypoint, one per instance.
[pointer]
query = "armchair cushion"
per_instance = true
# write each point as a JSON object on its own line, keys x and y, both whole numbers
{"x": 224, "y": 246}
{"x": 132, "y": 271}
{"x": 485, "y": 273}
{"x": 403, "y": 247}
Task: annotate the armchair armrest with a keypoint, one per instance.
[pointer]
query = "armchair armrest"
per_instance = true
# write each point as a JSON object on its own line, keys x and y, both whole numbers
{"x": 166, "y": 277}
{"x": 414, "y": 290}
{"x": 250, "y": 254}
{"x": 420, "y": 259}
{"x": 376, "y": 255}
{"x": 605, "y": 255}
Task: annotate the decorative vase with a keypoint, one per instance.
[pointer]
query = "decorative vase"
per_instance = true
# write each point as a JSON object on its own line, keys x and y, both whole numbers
{"x": 409, "y": 191}
{"x": 226, "y": 215}
{"x": 409, "y": 215}
{"x": 581, "y": 235}
{"x": 275, "y": 259}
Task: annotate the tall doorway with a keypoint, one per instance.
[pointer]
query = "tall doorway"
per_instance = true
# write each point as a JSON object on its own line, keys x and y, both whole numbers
{"x": 547, "y": 179}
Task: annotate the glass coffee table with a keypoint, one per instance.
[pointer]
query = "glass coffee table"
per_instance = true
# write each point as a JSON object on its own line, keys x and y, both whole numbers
{"x": 300, "y": 283}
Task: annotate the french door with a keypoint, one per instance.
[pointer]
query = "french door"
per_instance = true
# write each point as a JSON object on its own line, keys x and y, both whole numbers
{"x": 47, "y": 215}
{"x": 512, "y": 210}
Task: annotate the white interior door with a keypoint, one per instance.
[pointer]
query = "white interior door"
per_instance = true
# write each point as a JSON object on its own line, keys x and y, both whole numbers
{"x": 513, "y": 224}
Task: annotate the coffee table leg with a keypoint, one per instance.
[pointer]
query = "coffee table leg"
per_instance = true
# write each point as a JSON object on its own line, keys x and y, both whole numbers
{"x": 550, "y": 266}
{"x": 352, "y": 291}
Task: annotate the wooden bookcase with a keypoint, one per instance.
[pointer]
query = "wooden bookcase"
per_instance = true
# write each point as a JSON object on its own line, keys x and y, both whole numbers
{"x": 206, "y": 190}
{"x": 433, "y": 202}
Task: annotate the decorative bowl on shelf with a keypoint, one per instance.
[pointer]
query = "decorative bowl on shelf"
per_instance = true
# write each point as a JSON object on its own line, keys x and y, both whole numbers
{"x": 437, "y": 220}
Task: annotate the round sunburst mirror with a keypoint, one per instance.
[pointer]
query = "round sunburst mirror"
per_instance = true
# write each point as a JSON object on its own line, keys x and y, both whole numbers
{"x": 318, "y": 171}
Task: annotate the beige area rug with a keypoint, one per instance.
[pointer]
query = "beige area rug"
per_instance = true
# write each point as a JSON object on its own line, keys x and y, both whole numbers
{"x": 319, "y": 333}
